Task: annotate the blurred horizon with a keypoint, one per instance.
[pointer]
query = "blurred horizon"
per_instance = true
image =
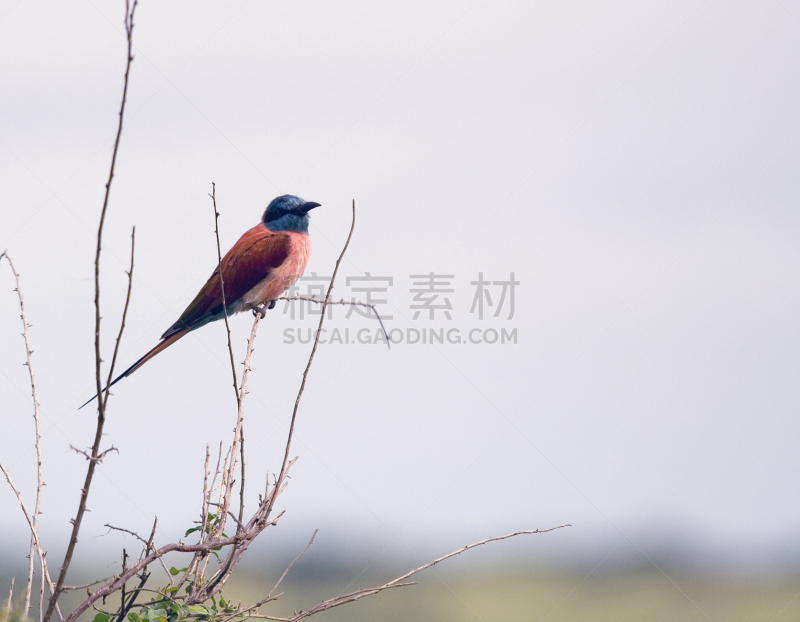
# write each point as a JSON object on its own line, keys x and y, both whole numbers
{"x": 525, "y": 578}
{"x": 659, "y": 546}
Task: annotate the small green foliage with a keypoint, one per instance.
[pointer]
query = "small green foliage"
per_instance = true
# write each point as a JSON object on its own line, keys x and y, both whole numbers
{"x": 165, "y": 609}
{"x": 212, "y": 522}
{"x": 101, "y": 617}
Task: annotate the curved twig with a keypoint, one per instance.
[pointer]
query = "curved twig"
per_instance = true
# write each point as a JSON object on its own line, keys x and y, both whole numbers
{"x": 352, "y": 303}
{"x": 398, "y": 582}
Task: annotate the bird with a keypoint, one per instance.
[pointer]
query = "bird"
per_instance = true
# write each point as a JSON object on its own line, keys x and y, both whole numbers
{"x": 262, "y": 265}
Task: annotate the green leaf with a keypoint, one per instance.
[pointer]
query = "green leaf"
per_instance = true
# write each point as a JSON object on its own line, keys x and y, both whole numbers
{"x": 190, "y": 530}
{"x": 101, "y": 617}
{"x": 171, "y": 589}
{"x": 134, "y": 617}
{"x": 199, "y": 610}
{"x": 173, "y": 571}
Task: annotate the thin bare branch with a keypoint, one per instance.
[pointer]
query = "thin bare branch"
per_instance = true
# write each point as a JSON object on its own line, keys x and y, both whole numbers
{"x": 269, "y": 597}
{"x": 122, "y": 593}
{"x": 128, "y": 531}
{"x": 41, "y": 589}
{"x": 239, "y": 395}
{"x": 237, "y": 436}
{"x": 38, "y": 436}
{"x": 122, "y": 323}
{"x": 128, "y": 600}
{"x": 34, "y": 533}
{"x": 85, "y": 586}
{"x": 206, "y": 493}
{"x": 192, "y": 567}
{"x": 126, "y": 607}
{"x": 241, "y": 483}
{"x": 148, "y": 546}
{"x": 289, "y": 567}
{"x": 10, "y": 599}
{"x": 102, "y": 400}
{"x": 343, "y": 600}
{"x": 352, "y": 303}
{"x": 282, "y": 472}
{"x": 398, "y": 582}
{"x": 147, "y": 543}
{"x": 199, "y": 593}
{"x": 213, "y": 196}
{"x": 472, "y": 546}
{"x": 91, "y": 458}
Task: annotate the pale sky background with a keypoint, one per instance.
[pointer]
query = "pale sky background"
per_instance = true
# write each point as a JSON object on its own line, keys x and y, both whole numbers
{"x": 635, "y": 165}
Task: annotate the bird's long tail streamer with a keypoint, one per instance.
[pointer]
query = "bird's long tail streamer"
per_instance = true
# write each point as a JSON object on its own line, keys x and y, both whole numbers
{"x": 158, "y": 348}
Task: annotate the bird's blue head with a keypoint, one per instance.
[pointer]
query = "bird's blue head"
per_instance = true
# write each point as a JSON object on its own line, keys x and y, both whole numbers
{"x": 288, "y": 213}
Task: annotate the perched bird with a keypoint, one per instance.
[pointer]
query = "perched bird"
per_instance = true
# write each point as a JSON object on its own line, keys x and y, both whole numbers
{"x": 263, "y": 264}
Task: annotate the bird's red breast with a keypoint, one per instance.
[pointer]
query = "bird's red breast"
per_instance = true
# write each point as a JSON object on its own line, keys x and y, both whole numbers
{"x": 258, "y": 268}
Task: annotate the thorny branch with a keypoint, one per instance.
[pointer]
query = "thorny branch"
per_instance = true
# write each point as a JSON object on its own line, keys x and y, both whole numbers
{"x": 239, "y": 396}
{"x": 398, "y": 582}
{"x": 38, "y": 439}
{"x": 102, "y": 400}
{"x": 213, "y": 196}
{"x": 40, "y": 551}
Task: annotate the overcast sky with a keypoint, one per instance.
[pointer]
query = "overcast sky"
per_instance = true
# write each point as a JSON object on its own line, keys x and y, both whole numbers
{"x": 634, "y": 165}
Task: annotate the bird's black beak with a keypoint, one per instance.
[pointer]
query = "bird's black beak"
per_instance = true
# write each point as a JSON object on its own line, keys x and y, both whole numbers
{"x": 304, "y": 208}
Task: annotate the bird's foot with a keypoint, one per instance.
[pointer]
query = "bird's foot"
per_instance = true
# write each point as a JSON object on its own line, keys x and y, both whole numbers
{"x": 262, "y": 309}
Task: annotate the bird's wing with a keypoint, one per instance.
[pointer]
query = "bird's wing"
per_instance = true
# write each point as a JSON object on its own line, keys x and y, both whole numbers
{"x": 248, "y": 262}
